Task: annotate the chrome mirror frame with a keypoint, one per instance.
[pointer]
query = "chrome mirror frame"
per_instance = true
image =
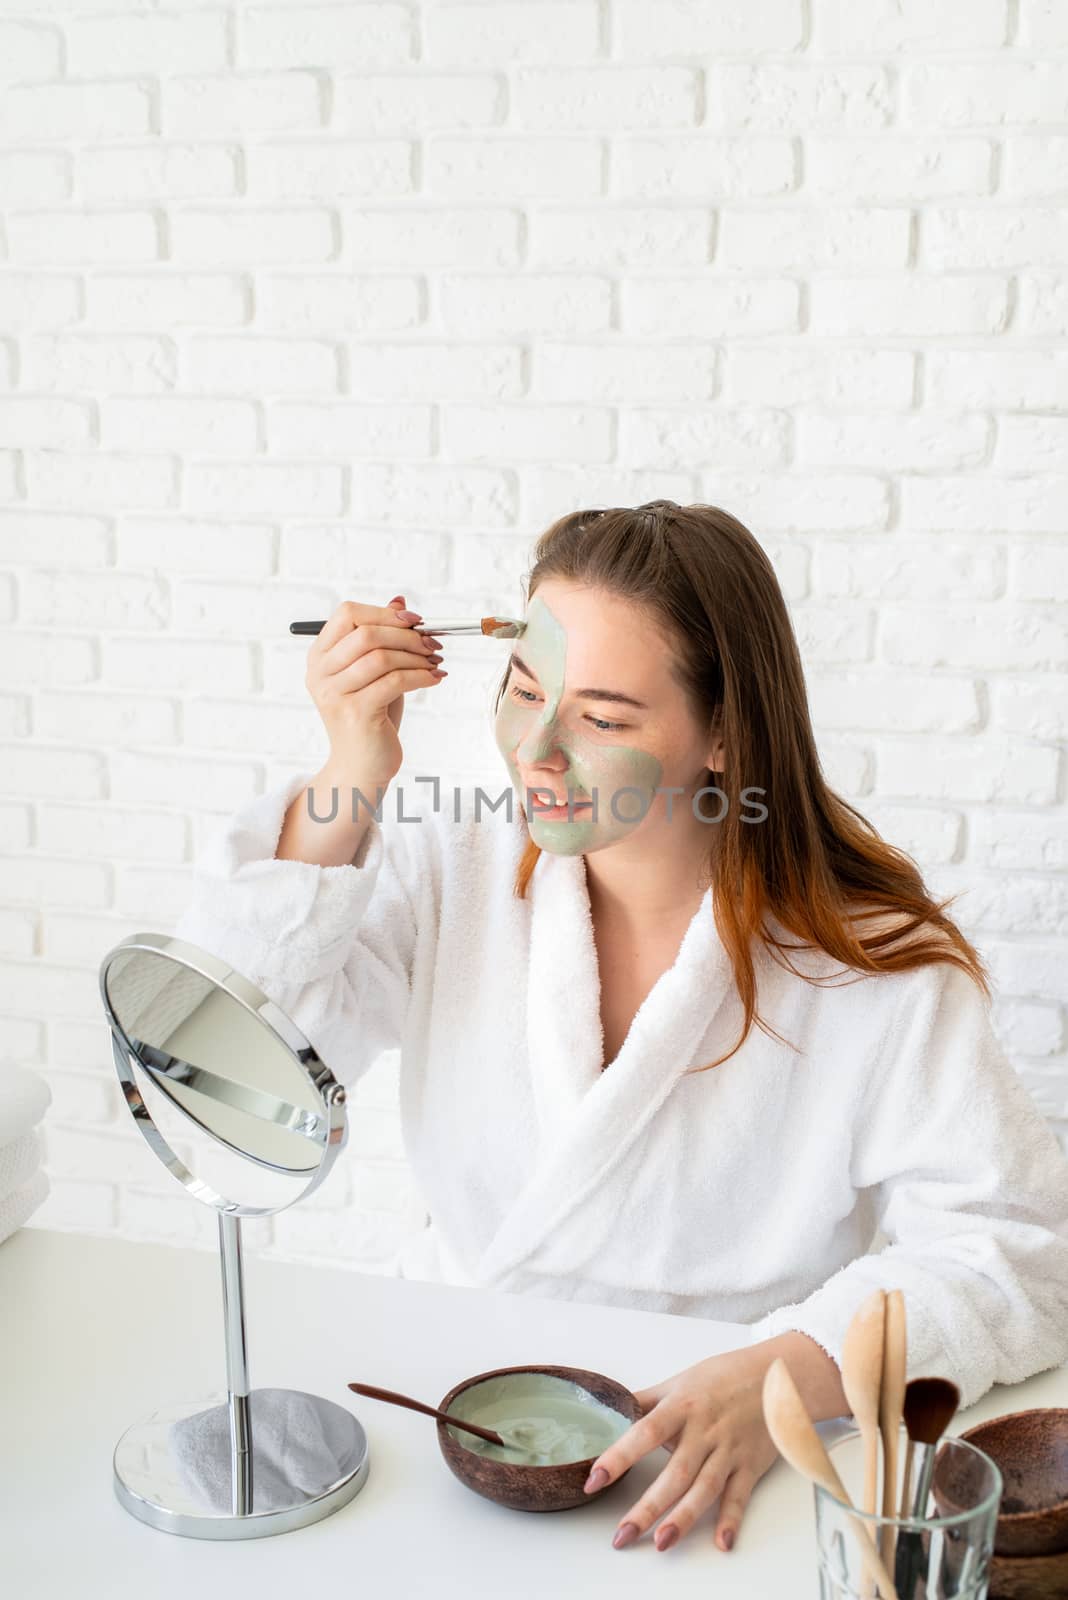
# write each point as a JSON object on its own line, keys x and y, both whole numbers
{"x": 270, "y": 1016}
{"x": 146, "y": 1474}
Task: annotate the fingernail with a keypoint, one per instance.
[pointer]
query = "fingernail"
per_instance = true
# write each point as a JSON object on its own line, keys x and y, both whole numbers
{"x": 398, "y": 600}
{"x": 409, "y": 616}
{"x": 439, "y": 672}
{"x": 596, "y": 1480}
{"x": 665, "y": 1537}
{"x": 625, "y": 1534}
{"x": 728, "y": 1539}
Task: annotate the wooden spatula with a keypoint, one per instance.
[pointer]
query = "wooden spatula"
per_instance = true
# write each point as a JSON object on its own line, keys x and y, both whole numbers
{"x": 795, "y": 1437}
{"x": 862, "y": 1381}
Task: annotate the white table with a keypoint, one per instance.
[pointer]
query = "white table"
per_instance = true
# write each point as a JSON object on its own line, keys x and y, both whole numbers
{"x": 97, "y": 1333}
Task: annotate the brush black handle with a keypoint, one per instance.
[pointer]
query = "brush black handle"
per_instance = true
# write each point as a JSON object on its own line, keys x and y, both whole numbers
{"x": 423, "y": 626}
{"x": 913, "y": 1558}
{"x": 910, "y": 1563}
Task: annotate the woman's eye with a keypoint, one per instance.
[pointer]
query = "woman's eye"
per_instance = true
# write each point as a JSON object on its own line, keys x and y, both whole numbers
{"x": 525, "y": 696}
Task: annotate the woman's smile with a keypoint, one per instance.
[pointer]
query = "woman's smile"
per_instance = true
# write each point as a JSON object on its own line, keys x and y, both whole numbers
{"x": 558, "y": 812}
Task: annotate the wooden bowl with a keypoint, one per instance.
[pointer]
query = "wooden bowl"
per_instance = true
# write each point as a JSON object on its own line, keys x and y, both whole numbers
{"x": 1031, "y": 1450}
{"x": 532, "y": 1488}
{"x": 1028, "y": 1577}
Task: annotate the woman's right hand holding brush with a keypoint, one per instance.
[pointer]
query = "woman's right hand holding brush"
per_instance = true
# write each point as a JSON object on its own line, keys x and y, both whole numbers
{"x": 360, "y": 667}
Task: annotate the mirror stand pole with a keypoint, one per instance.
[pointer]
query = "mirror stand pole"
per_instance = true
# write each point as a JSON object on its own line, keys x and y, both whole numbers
{"x": 237, "y": 1385}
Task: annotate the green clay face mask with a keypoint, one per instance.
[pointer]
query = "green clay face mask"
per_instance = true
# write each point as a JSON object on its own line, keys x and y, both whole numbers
{"x": 550, "y": 1420}
{"x": 618, "y": 782}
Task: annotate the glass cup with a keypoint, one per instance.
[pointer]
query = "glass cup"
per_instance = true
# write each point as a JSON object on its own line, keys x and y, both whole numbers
{"x": 942, "y": 1555}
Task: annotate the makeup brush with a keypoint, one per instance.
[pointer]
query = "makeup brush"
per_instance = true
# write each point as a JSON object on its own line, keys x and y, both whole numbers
{"x": 930, "y": 1406}
{"x": 490, "y": 627}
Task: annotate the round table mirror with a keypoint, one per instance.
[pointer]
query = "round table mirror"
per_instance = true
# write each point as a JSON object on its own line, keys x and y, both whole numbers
{"x": 236, "y": 1103}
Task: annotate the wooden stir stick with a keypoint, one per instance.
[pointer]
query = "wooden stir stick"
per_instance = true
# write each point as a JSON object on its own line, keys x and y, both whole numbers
{"x": 891, "y": 1405}
{"x": 396, "y": 1399}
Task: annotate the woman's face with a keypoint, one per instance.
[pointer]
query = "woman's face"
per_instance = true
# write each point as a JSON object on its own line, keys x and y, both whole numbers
{"x": 592, "y": 714}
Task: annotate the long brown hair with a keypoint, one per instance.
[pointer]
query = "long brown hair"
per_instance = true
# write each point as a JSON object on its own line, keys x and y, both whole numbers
{"x": 818, "y": 868}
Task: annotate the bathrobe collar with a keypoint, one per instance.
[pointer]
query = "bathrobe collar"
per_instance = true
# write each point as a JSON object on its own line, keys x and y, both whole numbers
{"x": 588, "y": 1119}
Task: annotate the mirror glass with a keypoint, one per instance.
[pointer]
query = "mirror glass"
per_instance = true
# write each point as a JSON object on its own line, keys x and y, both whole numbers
{"x": 216, "y": 1080}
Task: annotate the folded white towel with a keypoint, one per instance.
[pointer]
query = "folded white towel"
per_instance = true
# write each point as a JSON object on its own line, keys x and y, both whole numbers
{"x": 24, "y": 1099}
{"x": 292, "y": 1443}
{"x": 19, "y": 1161}
{"x": 17, "y": 1208}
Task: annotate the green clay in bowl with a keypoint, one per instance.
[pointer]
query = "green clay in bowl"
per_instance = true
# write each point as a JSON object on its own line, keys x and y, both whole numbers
{"x": 552, "y": 1419}
{"x": 566, "y": 1416}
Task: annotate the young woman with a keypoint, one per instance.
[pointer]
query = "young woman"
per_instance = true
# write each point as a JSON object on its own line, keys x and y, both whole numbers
{"x": 681, "y": 1032}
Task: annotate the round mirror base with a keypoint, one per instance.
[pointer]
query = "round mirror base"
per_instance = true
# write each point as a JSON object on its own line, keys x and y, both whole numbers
{"x": 173, "y": 1470}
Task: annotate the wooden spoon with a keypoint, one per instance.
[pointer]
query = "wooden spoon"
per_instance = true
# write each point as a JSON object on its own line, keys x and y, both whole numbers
{"x": 930, "y": 1406}
{"x": 891, "y": 1404}
{"x": 395, "y": 1399}
{"x": 862, "y": 1380}
{"x": 794, "y": 1436}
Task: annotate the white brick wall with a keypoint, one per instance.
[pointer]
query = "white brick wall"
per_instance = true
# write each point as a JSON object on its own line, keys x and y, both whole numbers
{"x": 303, "y": 301}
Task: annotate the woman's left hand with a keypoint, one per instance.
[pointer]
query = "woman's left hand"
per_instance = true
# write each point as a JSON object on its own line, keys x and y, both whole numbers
{"x": 711, "y": 1418}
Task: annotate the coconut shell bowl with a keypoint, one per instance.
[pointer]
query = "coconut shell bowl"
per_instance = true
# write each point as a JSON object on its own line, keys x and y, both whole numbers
{"x": 1030, "y": 1560}
{"x": 527, "y": 1487}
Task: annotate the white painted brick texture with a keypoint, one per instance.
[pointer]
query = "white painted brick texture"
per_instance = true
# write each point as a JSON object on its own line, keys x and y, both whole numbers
{"x": 301, "y": 302}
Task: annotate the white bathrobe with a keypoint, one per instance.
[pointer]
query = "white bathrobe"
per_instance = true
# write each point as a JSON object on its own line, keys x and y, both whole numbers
{"x": 748, "y": 1193}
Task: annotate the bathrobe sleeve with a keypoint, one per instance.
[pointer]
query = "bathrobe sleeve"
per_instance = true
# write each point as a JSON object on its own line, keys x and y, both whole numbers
{"x": 332, "y": 946}
{"x": 971, "y": 1188}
